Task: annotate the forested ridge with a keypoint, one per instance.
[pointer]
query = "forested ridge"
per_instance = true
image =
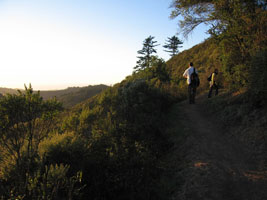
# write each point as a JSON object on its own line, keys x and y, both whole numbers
{"x": 132, "y": 140}
{"x": 69, "y": 97}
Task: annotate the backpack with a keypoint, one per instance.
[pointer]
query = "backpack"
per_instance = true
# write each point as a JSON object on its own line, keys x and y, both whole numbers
{"x": 209, "y": 78}
{"x": 194, "y": 79}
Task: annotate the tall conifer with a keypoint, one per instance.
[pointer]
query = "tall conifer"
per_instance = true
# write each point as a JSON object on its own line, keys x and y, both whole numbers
{"x": 172, "y": 45}
{"x": 146, "y": 53}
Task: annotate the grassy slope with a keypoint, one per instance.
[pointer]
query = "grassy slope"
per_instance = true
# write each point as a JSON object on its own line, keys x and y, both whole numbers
{"x": 205, "y": 57}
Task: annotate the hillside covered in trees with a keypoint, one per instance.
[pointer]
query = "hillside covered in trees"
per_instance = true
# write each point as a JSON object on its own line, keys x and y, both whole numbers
{"x": 137, "y": 139}
{"x": 69, "y": 97}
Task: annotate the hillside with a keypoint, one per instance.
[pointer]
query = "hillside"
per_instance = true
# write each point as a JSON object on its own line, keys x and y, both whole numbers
{"x": 8, "y": 90}
{"x": 223, "y": 154}
{"x": 205, "y": 56}
{"x": 140, "y": 139}
{"x": 73, "y": 95}
{"x": 69, "y": 97}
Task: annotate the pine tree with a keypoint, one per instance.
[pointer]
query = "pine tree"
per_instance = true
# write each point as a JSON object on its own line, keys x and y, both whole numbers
{"x": 145, "y": 53}
{"x": 172, "y": 45}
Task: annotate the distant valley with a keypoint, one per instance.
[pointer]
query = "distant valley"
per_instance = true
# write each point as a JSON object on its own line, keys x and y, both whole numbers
{"x": 69, "y": 97}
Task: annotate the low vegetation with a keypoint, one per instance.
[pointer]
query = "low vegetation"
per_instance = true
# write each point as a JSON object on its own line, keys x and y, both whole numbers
{"x": 109, "y": 147}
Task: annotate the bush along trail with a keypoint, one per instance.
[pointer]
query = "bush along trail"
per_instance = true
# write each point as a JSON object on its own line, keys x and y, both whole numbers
{"x": 208, "y": 163}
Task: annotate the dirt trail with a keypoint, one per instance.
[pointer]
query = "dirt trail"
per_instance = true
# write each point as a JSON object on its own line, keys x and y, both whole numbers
{"x": 217, "y": 167}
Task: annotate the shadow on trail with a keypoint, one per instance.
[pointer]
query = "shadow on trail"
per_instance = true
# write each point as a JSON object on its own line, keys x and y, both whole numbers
{"x": 217, "y": 166}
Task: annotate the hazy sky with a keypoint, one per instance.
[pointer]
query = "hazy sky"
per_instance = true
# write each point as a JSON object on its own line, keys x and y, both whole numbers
{"x": 54, "y": 44}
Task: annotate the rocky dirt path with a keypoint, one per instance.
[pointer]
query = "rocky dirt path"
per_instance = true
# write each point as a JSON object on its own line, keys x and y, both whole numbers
{"x": 216, "y": 166}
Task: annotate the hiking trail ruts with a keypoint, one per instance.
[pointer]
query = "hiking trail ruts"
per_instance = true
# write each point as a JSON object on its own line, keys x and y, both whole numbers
{"x": 217, "y": 166}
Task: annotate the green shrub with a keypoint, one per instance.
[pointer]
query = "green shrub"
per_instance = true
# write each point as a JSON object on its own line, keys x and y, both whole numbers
{"x": 54, "y": 183}
{"x": 258, "y": 77}
{"x": 67, "y": 148}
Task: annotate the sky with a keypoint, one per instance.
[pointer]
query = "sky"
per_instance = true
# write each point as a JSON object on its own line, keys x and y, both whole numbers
{"x": 55, "y": 44}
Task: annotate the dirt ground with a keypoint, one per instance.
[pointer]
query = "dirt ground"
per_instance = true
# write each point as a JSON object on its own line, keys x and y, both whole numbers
{"x": 217, "y": 167}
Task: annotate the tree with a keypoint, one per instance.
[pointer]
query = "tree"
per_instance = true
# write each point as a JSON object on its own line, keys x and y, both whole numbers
{"x": 25, "y": 120}
{"x": 238, "y": 19}
{"x": 146, "y": 52}
{"x": 159, "y": 70}
{"x": 172, "y": 45}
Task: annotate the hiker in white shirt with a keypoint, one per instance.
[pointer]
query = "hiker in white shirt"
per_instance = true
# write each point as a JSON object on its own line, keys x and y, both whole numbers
{"x": 192, "y": 88}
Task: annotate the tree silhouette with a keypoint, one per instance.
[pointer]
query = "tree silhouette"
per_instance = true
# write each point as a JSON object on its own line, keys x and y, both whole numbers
{"x": 172, "y": 45}
{"x": 145, "y": 53}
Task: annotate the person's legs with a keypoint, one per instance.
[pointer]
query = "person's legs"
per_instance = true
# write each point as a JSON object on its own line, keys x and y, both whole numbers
{"x": 210, "y": 91}
{"x": 216, "y": 89}
{"x": 190, "y": 91}
{"x": 194, "y": 94}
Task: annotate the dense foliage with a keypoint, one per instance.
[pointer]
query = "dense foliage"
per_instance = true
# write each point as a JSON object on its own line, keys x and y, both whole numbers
{"x": 25, "y": 121}
{"x": 109, "y": 147}
{"x": 125, "y": 139}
